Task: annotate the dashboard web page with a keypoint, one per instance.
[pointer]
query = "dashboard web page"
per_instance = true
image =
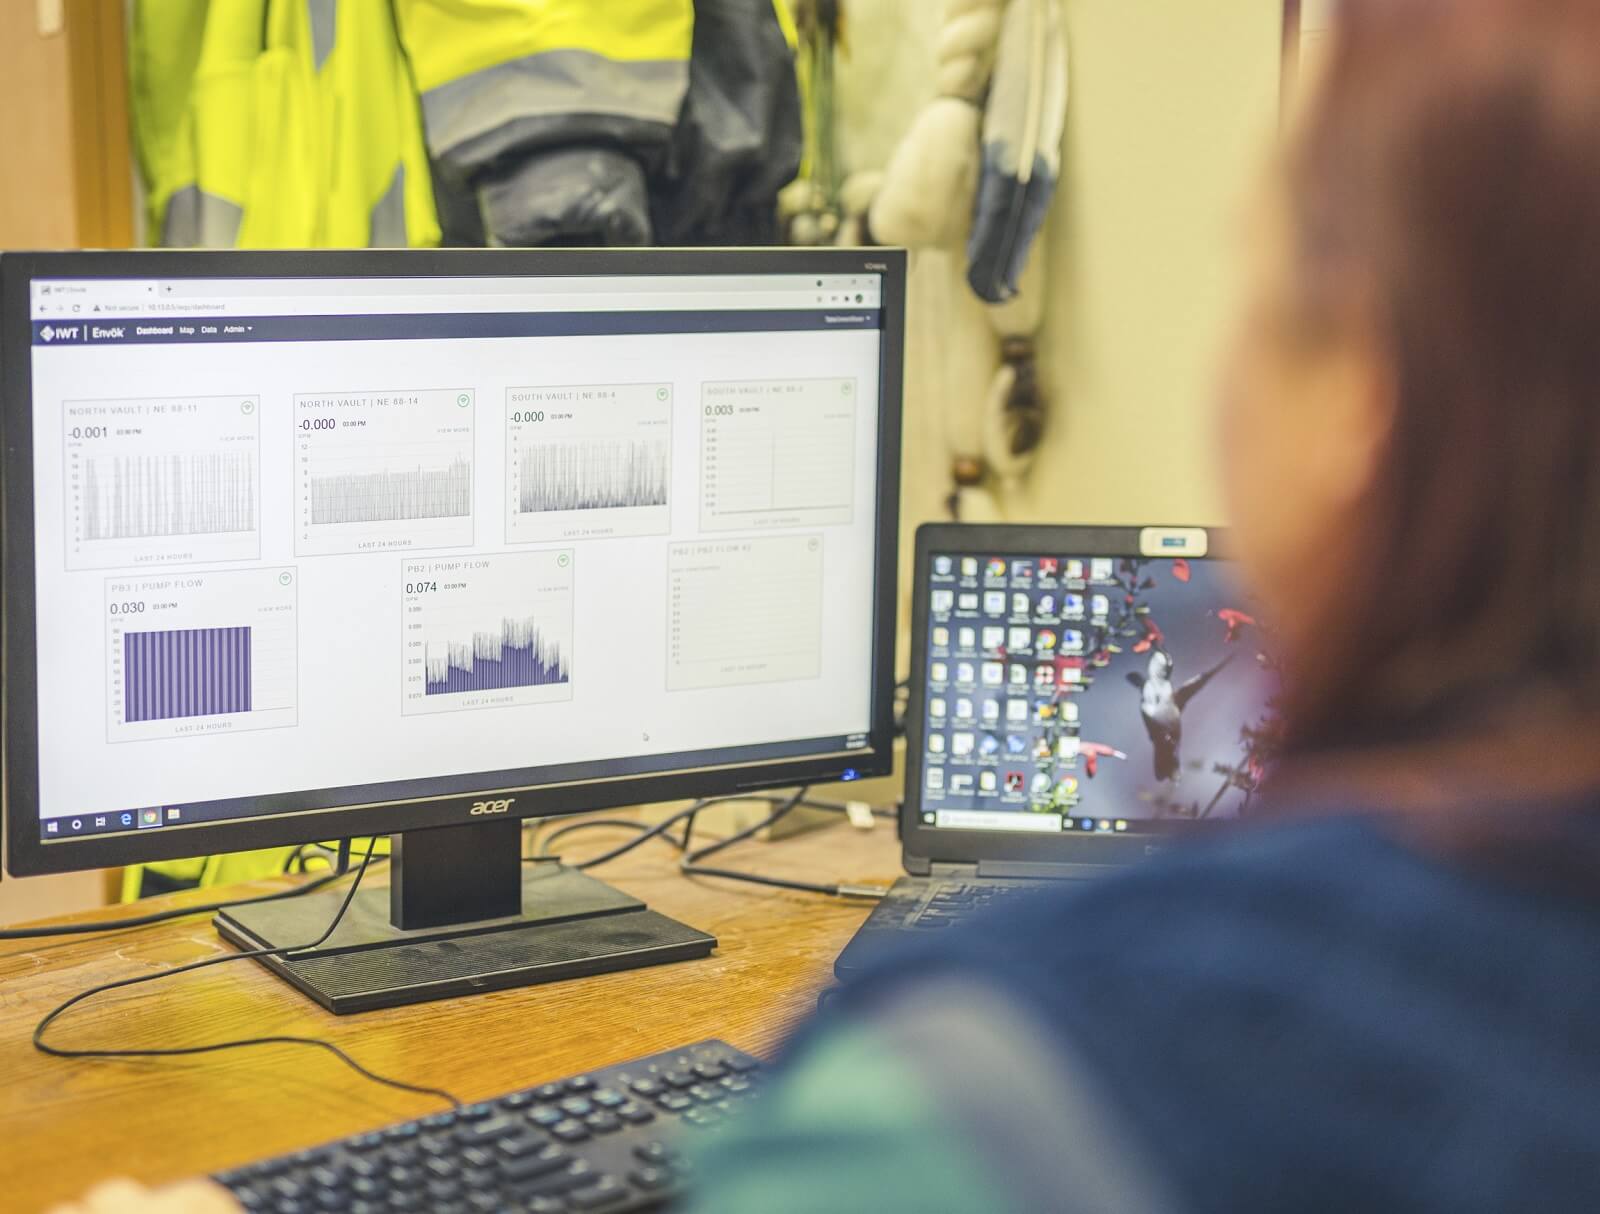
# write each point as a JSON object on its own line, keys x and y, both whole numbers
{"x": 349, "y": 541}
{"x": 1099, "y": 695}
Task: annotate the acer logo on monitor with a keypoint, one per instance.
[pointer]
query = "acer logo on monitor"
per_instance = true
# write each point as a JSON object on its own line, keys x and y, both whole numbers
{"x": 480, "y": 808}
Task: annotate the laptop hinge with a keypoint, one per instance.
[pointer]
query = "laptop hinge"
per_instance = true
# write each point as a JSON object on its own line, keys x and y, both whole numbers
{"x": 1043, "y": 872}
{"x": 938, "y": 869}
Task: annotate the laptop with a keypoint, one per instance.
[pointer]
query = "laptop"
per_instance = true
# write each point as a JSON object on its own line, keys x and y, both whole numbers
{"x": 1079, "y": 697}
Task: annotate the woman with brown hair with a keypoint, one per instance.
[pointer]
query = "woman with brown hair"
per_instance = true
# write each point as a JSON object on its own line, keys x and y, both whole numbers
{"x": 1385, "y": 994}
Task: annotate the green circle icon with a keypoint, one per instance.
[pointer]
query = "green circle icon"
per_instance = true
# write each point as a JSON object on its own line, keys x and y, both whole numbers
{"x": 463, "y": 400}
{"x": 285, "y": 578}
{"x": 661, "y": 394}
{"x": 563, "y": 560}
{"x": 248, "y": 406}
{"x": 847, "y": 388}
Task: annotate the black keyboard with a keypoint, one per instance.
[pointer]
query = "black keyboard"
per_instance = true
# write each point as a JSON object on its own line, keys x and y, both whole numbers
{"x": 957, "y": 900}
{"x": 607, "y": 1140}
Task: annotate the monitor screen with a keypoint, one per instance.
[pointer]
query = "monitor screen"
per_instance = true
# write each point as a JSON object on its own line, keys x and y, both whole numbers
{"x": 310, "y": 543}
{"x": 1093, "y": 695}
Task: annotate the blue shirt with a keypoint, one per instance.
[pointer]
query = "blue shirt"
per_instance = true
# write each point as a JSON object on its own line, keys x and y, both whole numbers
{"x": 1306, "y": 1016}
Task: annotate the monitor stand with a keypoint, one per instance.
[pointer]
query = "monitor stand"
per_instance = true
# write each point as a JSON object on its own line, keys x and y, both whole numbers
{"x": 462, "y": 915}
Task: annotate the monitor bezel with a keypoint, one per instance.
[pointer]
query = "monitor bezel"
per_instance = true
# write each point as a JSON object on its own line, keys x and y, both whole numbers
{"x": 924, "y": 846}
{"x": 28, "y": 855}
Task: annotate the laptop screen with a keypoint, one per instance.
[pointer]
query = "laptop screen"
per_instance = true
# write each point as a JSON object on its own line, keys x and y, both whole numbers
{"x": 1098, "y": 695}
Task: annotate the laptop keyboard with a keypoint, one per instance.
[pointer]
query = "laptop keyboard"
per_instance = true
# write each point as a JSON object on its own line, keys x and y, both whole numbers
{"x": 960, "y": 900}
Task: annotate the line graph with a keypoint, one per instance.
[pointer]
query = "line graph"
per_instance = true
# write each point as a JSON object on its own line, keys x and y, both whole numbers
{"x": 383, "y": 471}
{"x": 593, "y": 474}
{"x": 185, "y": 672}
{"x": 516, "y": 655}
{"x": 486, "y": 632}
{"x": 392, "y": 496}
{"x": 588, "y": 462}
{"x": 159, "y": 481}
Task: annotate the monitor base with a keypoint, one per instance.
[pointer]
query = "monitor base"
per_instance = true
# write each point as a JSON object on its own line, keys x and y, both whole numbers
{"x": 571, "y": 926}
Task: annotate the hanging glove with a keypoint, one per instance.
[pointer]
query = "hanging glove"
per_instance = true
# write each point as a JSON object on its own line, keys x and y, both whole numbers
{"x": 1022, "y": 129}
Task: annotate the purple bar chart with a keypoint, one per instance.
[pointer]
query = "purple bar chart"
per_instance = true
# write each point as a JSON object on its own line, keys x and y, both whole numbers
{"x": 185, "y": 672}
{"x": 486, "y": 632}
{"x": 201, "y": 655}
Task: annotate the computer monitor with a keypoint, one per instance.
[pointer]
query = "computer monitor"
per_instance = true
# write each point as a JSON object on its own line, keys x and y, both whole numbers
{"x": 302, "y": 546}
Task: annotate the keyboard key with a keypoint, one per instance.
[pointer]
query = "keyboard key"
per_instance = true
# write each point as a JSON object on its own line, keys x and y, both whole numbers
{"x": 570, "y": 1131}
{"x": 477, "y": 1157}
{"x": 679, "y": 1079}
{"x": 325, "y": 1177}
{"x": 550, "y": 1091}
{"x": 477, "y": 1112}
{"x": 480, "y": 1179}
{"x": 442, "y": 1168}
{"x": 602, "y": 1122}
{"x": 742, "y": 1065}
{"x": 364, "y": 1167}
{"x": 635, "y": 1114}
{"x": 439, "y": 1121}
{"x": 702, "y": 1117}
{"x": 577, "y": 1106}
{"x": 444, "y": 1190}
{"x": 652, "y": 1178}
{"x": 580, "y": 1083}
{"x": 736, "y": 1085}
{"x": 541, "y": 1163}
{"x": 675, "y": 1103}
{"x": 608, "y": 1192}
{"x": 579, "y": 1174}
{"x": 654, "y": 1153}
{"x": 403, "y": 1178}
{"x": 705, "y": 1093}
{"x": 710, "y": 1070}
{"x": 515, "y": 1148}
{"x": 548, "y": 1205}
{"x": 287, "y": 1189}
{"x": 370, "y": 1188}
{"x": 485, "y": 1131}
{"x": 646, "y": 1087}
{"x": 608, "y": 1098}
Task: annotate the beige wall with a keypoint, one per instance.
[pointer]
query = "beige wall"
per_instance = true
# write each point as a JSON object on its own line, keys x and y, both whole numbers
{"x": 1174, "y": 105}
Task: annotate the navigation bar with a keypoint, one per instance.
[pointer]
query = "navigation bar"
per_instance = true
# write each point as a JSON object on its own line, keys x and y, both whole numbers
{"x": 442, "y": 325}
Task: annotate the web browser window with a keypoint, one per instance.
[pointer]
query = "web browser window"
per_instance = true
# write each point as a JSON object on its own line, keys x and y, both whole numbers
{"x": 295, "y": 538}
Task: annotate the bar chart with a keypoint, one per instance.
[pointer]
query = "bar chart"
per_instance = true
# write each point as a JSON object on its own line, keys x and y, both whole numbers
{"x": 486, "y": 632}
{"x": 201, "y": 654}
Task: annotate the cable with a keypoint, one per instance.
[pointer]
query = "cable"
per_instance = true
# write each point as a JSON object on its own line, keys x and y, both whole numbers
{"x": 50, "y": 1017}
{"x": 646, "y": 832}
{"x": 204, "y": 908}
{"x": 690, "y": 866}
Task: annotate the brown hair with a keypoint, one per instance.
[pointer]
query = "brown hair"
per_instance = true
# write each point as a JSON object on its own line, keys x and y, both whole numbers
{"x": 1445, "y": 191}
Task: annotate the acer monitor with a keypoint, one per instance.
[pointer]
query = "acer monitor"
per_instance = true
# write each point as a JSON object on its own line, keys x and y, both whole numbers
{"x": 301, "y": 546}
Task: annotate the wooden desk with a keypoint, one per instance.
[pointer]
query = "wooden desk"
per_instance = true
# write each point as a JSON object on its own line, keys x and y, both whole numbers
{"x": 66, "y": 1124}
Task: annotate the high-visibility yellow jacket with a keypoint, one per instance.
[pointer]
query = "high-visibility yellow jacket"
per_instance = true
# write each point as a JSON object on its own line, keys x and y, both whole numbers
{"x": 278, "y": 123}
